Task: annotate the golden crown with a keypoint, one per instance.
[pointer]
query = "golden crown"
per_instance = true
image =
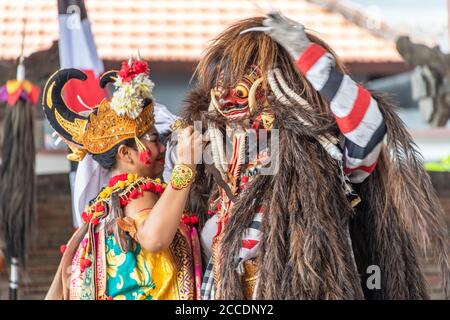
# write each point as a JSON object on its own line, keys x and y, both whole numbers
{"x": 126, "y": 116}
{"x": 106, "y": 129}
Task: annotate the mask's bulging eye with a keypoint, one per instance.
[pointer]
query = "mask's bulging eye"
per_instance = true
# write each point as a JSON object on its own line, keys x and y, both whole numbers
{"x": 241, "y": 91}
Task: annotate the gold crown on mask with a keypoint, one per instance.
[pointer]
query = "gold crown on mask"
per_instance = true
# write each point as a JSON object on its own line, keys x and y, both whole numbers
{"x": 105, "y": 127}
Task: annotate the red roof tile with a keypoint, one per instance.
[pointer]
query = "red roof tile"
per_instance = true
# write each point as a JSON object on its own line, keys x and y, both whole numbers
{"x": 177, "y": 30}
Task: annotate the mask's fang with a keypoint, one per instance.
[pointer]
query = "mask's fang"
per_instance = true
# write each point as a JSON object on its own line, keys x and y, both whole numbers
{"x": 262, "y": 29}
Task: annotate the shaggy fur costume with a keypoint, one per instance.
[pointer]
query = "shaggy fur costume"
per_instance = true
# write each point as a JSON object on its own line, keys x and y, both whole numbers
{"x": 315, "y": 245}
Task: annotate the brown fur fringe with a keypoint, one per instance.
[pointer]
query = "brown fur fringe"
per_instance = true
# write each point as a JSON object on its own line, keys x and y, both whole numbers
{"x": 314, "y": 245}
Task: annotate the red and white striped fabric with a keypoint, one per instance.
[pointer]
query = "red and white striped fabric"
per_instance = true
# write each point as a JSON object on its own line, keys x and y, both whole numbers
{"x": 356, "y": 111}
{"x": 251, "y": 237}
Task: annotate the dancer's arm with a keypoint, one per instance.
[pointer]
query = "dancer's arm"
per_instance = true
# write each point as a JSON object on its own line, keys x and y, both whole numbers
{"x": 158, "y": 229}
{"x": 356, "y": 112}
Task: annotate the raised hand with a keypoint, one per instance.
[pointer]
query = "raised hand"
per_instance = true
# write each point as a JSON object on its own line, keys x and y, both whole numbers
{"x": 189, "y": 147}
{"x": 288, "y": 33}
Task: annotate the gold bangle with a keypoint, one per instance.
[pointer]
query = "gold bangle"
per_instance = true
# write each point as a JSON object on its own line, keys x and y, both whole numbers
{"x": 182, "y": 176}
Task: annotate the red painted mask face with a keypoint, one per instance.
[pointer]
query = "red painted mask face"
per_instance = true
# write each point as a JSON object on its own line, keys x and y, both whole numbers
{"x": 233, "y": 101}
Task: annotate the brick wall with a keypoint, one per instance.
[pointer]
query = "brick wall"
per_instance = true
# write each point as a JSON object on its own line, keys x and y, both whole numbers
{"x": 441, "y": 182}
{"x": 54, "y": 227}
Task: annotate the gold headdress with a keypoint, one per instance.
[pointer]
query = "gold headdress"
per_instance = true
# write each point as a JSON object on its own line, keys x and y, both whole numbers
{"x": 129, "y": 114}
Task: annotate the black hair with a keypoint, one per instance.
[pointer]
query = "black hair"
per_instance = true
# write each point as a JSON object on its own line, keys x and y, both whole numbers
{"x": 108, "y": 159}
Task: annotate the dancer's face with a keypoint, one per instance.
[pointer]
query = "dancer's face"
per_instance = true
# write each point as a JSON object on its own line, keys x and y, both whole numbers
{"x": 155, "y": 161}
{"x": 153, "y": 164}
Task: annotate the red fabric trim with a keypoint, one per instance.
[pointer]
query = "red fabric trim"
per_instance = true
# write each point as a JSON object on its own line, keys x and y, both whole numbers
{"x": 249, "y": 244}
{"x": 261, "y": 209}
{"x": 359, "y": 109}
{"x": 309, "y": 57}
{"x": 367, "y": 169}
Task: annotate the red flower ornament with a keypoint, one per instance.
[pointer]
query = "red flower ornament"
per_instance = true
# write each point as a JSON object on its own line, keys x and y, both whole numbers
{"x": 128, "y": 72}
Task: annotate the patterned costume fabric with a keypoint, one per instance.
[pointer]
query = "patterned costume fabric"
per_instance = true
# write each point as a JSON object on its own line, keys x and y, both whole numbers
{"x": 250, "y": 237}
{"x": 135, "y": 274}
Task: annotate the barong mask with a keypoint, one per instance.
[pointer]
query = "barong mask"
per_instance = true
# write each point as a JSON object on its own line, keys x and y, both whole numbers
{"x": 242, "y": 99}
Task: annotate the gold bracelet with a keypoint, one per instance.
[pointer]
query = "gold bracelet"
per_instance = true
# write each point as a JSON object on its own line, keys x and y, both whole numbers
{"x": 182, "y": 176}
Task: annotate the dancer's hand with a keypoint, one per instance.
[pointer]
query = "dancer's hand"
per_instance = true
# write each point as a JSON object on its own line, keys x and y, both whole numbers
{"x": 190, "y": 147}
{"x": 288, "y": 33}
